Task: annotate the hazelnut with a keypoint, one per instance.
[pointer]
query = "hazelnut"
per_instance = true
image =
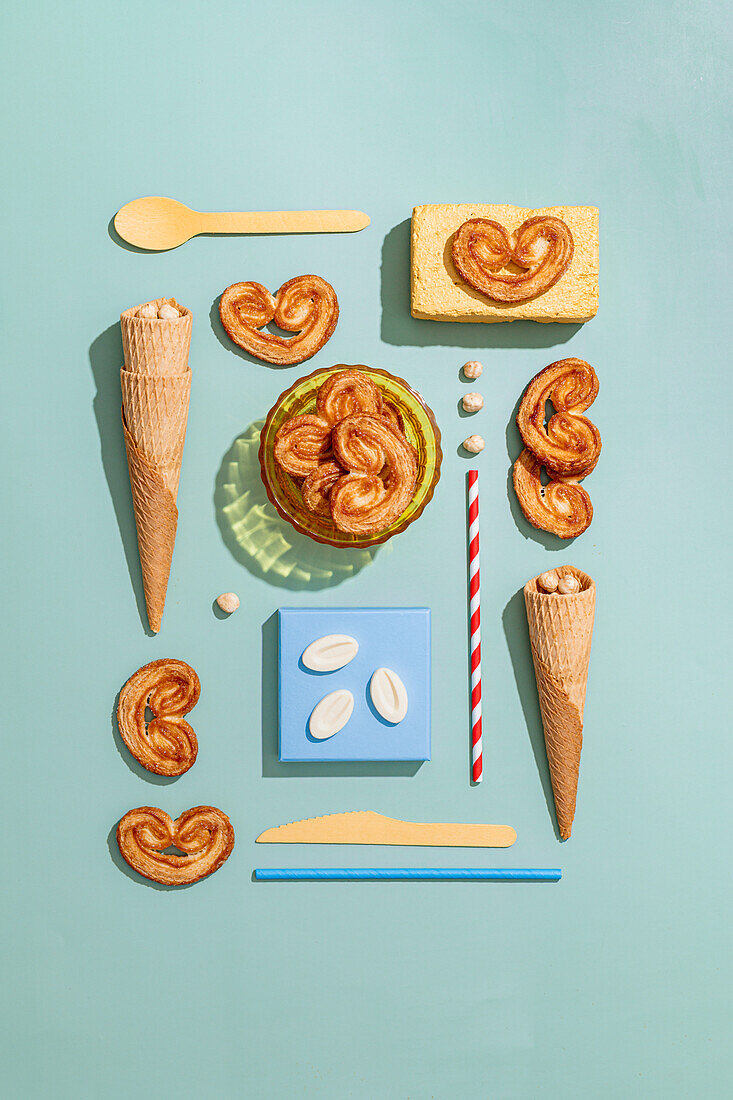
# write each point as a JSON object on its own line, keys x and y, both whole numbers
{"x": 472, "y": 402}
{"x": 228, "y": 602}
{"x": 568, "y": 585}
{"x": 149, "y": 310}
{"x": 472, "y": 369}
{"x": 474, "y": 444}
{"x": 549, "y": 581}
{"x": 168, "y": 312}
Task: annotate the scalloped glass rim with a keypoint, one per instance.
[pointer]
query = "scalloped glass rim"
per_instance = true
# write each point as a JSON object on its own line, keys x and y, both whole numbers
{"x": 283, "y": 492}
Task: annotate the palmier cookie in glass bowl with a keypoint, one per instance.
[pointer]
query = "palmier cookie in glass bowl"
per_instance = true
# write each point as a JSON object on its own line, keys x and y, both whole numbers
{"x": 350, "y": 456}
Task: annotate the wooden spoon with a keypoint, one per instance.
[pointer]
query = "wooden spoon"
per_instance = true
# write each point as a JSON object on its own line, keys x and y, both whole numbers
{"x": 159, "y": 223}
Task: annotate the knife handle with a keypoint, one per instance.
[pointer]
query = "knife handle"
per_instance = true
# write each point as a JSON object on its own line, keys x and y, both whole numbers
{"x": 455, "y": 836}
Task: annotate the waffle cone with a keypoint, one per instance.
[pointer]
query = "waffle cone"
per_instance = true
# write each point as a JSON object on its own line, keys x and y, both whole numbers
{"x": 154, "y": 346}
{"x": 155, "y": 412}
{"x": 560, "y": 633}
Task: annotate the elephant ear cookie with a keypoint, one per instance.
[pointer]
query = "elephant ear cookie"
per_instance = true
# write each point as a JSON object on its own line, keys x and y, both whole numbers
{"x": 203, "y": 835}
{"x": 317, "y": 487}
{"x": 306, "y": 305}
{"x": 561, "y": 507}
{"x": 363, "y": 502}
{"x": 570, "y": 445}
{"x": 166, "y": 744}
{"x": 347, "y": 393}
{"x": 543, "y": 246}
{"x": 302, "y": 444}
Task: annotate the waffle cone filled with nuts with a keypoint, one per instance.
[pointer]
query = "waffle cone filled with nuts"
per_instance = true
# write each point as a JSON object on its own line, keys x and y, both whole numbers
{"x": 351, "y": 456}
{"x": 156, "y": 386}
{"x": 560, "y": 612}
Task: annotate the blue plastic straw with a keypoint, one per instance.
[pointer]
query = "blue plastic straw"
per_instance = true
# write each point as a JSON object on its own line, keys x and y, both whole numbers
{"x": 483, "y": 874}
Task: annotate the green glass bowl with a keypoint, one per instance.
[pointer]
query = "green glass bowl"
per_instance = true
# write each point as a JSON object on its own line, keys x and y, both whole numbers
{"x": 283, "y": 491}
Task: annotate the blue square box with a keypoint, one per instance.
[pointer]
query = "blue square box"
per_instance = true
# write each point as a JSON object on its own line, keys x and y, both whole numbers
{"x": 393, "y": 637}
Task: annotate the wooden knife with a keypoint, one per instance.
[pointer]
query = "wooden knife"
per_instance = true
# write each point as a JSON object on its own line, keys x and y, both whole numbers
{"x": 368, "y": 827}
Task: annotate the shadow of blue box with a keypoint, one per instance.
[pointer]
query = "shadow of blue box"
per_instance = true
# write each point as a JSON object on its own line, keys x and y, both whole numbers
{"x": 390, "y": 637}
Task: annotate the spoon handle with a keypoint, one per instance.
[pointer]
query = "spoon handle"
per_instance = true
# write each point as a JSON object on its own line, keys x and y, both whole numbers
{"x": 285, "y": 221}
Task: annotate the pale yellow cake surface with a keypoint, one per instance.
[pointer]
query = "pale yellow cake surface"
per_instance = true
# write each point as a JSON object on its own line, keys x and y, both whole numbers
{"x": 439, "y": 294}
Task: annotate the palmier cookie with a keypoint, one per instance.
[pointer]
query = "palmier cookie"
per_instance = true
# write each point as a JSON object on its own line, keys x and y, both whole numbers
{"x": 368, "y": 446}
{"x": 562, "y": 507}
{"x": 346, "y": 393}
{"x": 543, "y": 245}
{"x": 317, "y": 487}
{"x": 302, "y": 443}
{"x": 570, "y": 445}
{"x": 203, "y": 834}
{"x": 166, "y": 744}
{"x": 306, "y": 305}
{"x": 393, "y": 416}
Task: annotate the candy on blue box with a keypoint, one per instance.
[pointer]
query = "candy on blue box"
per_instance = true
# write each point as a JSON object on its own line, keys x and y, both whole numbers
{"x": 392, "y": 637}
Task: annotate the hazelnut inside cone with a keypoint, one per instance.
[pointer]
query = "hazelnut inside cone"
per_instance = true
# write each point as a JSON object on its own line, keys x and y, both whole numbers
{"x": 557, "y": 581}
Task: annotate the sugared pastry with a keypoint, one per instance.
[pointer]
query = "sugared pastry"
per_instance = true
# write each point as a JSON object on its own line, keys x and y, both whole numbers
{"x": 166, "y": 744}
{"x": 356, "y": 462}
{"x": 562, "y": 507}
{"x": 317, "y": 487}
{"x": 302, "y": 444}
{"x": 362, "y": 502}
{"x": 542, "y": 246}
{"x": 461, "y": 247}
{"x": 393, "y": 415}
{"x": 306, "y": 305}
{"x": 570, "y": 445}
{"x": 359, "y": 504}
{"x": 472, "y": 369}
{"x": 346, "y": 393}
{"x": 203, "y": 834}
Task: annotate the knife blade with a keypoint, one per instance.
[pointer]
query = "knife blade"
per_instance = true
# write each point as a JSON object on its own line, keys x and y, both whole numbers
{"x": 368, "y": 827}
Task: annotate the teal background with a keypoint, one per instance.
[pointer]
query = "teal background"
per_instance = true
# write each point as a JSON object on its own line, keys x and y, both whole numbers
{"x": 614, "y": 982}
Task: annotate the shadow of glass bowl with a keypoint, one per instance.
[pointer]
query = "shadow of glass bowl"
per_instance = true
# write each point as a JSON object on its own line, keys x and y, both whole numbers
{"x": 263, "y": 542}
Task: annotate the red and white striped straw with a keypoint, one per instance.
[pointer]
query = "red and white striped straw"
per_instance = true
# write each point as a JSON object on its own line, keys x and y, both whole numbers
{"x": 477, "y": 761}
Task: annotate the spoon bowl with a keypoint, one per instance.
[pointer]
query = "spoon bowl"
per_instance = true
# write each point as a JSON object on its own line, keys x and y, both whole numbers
{"x": 156, "y": 222}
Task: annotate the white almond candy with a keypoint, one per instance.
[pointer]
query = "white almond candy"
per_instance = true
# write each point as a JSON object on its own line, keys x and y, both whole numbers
{"x": 389, "y": 695}
{"x": 330, "y": 652}
{"x": 167, "y": 312}
{"x": 149, "y": 310}
{"x": 331, "y": 714}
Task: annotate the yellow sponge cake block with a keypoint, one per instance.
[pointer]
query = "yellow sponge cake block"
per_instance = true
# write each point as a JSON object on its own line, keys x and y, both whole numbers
{"x": 439, "y": 293}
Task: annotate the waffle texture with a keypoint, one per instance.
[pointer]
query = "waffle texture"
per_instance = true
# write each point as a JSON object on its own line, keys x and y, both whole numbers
{"x": 156, "y": 413}
{"x": 156, "y": 388}
{"x": 560, "y": 633}
{"x": 154, "y": 346}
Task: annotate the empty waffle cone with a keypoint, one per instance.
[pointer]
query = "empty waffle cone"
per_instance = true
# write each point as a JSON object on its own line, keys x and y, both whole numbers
{"x": 153, "y": 345}
{"x": 560, "y": 633}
